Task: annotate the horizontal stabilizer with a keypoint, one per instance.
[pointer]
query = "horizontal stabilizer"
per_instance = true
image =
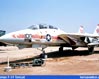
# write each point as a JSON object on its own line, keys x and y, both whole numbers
{"x": 93, "y": 44}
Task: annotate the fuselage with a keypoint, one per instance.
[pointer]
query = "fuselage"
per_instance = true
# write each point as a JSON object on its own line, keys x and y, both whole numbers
{"x": 44, "y": 35}
{"x": 34, "y": 35}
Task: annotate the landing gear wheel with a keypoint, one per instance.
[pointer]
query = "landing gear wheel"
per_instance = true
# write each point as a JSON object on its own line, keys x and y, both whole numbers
{"x": 61, "y": 49}
{"x": 90, "y": 50}
{"x": 73, "y": 48}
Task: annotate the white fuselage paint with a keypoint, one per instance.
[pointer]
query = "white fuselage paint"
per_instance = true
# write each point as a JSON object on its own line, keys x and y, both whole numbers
{"x": 18, "y": 37}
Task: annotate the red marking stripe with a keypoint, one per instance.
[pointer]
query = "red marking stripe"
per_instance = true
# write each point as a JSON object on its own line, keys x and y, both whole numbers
{"x": 33, "y": 36}
{"x": 20, "y": 36}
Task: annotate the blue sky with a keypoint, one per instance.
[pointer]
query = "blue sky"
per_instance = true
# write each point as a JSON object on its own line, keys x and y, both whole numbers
{"x": 68, "y": 15}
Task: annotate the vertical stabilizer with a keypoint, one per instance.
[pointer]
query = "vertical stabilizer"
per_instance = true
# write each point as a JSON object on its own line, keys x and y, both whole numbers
{"x": 96, "y": 32}
{"x": 81, "y": 30}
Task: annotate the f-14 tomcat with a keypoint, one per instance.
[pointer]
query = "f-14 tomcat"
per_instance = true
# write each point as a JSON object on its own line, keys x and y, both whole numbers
{"x": 43, "y": 35}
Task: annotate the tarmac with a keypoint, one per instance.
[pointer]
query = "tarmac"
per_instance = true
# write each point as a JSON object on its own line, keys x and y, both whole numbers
{"x": 68, "y": 62}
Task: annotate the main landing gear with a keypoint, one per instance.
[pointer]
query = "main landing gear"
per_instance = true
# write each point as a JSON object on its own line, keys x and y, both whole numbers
{"x": 43, "y": 54}
{"x": 61, "y": 49}
{"x": 90, "y": 49}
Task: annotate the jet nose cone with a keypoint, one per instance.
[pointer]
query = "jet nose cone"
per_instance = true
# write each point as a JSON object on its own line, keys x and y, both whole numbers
{"x": 4, "y": 38}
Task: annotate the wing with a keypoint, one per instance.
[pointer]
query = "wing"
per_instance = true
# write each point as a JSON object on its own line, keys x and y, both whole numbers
{"x": 67, "y": 39}
{"x": 78, "y": 39}
{"x": 82, "y": 35}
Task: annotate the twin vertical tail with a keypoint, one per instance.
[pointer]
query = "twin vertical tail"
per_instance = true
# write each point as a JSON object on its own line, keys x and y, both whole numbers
{"x": 96, "y": 32}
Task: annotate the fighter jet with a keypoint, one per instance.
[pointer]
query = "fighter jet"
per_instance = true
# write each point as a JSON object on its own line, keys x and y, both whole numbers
{"x": 2, "y": 32}
{"x": 43, "y": 35}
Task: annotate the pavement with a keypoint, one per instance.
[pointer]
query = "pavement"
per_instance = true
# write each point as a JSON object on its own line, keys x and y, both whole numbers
{"x": 68, "y": 62}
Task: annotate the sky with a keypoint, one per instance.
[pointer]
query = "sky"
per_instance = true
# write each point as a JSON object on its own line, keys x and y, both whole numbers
{"x": 68, "y": 15}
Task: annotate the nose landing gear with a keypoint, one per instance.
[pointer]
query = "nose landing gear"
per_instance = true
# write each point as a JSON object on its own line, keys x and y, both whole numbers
{"x": 43, "y": 54}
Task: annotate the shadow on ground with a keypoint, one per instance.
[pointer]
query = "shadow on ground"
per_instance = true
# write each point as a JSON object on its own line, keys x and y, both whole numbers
{"x": 67, "y": 53}
{"x": 57, "y": 54}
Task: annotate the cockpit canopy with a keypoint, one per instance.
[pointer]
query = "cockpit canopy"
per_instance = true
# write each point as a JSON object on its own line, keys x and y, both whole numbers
{"x": 41, "y": 26}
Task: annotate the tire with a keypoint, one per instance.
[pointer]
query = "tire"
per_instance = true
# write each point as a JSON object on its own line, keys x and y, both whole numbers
{"x": 61, "y": 49}
{"x": 90, "y": 50}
